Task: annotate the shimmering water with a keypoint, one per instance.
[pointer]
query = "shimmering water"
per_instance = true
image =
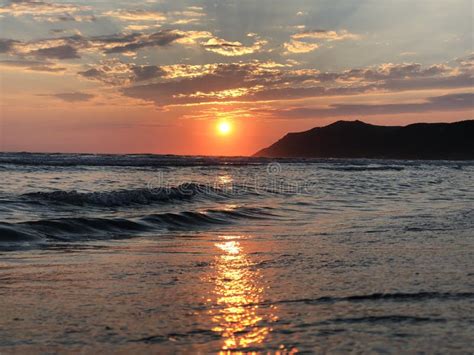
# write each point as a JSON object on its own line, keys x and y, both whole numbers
{"x": 180, "y": 254}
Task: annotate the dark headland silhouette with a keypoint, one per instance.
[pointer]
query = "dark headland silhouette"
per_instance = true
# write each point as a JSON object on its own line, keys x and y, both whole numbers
{"x": 356, "y": 139}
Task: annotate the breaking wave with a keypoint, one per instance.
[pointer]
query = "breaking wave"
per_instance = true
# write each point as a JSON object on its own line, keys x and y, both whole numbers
{"x": 144, "y": 196}
{"x": 87, "y": 228}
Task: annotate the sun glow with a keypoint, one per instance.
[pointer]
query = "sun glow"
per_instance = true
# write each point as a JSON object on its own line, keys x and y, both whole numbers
{"x": 224, "y": 128}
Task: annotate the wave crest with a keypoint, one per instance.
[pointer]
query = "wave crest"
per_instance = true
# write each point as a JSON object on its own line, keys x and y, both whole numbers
{"x": 144, "y": 196}
{"x": 86, "y": 228}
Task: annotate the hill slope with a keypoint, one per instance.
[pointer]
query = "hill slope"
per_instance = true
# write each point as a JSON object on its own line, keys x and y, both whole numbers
{"x": 356, "y": 139}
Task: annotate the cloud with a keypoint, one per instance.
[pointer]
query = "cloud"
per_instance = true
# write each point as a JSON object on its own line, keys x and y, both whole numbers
{"x": 73, "y": 96}
{"x": 189, "y": 15}
{"x": 232, "y": 49}
{"x": 146, "y": 72}
{"x": 34, "y": 7}
{"x": 59, "y": 52}
{"x": 224, "y": 77}
{"x": 44, "y": 11}
{"x": 70, "y": 47}
{"x": 299, "y": 47}
{"x": 207, "y": 83}
{"x": 7, "y": 45}
{"x": 264, "y": 81}
{"x": 135, "y": 42}
{"x": 254, "y": 81}
{"x": 71, "y": 18}
{"x": 211, "y": 43}
{"x": 385, "y": 72}
{"x": 114, "y": 72}
{"x": 134, "y": 27}
{"x": 30, "y": 65}
{"x": 307, "y": 41}
{"x": 451, "y": 102}
{"x": 137, "y": 15}
{"x": 326, "y": 35}
{"x": 466, "y": 64}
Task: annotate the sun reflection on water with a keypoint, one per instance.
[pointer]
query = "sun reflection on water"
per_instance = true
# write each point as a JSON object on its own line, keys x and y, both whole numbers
{"x": 238, "y": 291}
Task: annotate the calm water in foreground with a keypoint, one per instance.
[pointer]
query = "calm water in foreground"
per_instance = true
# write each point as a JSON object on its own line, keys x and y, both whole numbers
{"x": 174, "y": 254}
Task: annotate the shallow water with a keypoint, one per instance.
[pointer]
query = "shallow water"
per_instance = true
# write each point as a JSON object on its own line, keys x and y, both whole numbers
{"x": 179, "y": 254}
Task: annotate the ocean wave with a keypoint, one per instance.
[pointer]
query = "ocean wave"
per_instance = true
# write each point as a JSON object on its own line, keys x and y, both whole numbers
{"x": 128, "y": 160}
{"x": 374, "y": 319}
{"x": 390, "y": 297}
{"x": 13, "y": 233}
{"x": 386, "y": 319}
{"x": 86, "y": 228}
{"x": 359, "y": 168}
{"x": 144, "y": 196}
{"x": 155, "y": 160}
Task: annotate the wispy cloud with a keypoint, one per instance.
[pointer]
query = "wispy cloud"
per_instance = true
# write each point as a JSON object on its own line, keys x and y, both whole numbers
{"x": 32, "y": 65}
{"x": 310, "y": 40}
{"x": 326, "y": 35}
{"x": 73, "y": 96}
{"x": 137, "y": 15}
{"x": 451, "y": 102}
{"x": 46, "y": 11}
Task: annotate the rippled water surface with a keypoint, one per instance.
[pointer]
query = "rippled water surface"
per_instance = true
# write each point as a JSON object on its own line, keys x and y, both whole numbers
{"x": 183, "y": 254}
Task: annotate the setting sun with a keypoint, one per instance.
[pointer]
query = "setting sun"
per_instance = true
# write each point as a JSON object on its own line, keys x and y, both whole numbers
{"x": 224, "y": 128}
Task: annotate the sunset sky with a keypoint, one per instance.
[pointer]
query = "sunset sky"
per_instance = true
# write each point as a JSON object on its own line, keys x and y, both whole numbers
{"x": 159, "y": 76}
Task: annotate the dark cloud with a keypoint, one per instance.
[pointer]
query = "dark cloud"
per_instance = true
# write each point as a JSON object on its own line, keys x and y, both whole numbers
{"x": 453, "y": 102}
{"x": 69, "y": 47}
{"x": 258, "y": 83}
{"x": 147, "y": 72}
{"x": 60, "y": 52}
{"x": 74, "y": 96}
{"x": 6, "y": 45}
{"x": 91, "y": 73}
{"x": 120, "y": 73}
{"x": 225, "y": 77}
{"x": 73, "y": 18}
{"x": 158, "y": 39}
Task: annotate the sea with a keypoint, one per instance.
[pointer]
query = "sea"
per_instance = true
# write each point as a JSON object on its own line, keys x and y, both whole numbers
{"x": 176, "y": 254}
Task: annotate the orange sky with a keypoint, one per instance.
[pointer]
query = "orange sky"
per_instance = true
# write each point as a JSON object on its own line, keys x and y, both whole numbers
{"x": 158, "y": 76}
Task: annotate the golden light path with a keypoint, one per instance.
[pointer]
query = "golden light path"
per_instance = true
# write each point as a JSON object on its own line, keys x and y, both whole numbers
{"x": 238, "y": 291}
